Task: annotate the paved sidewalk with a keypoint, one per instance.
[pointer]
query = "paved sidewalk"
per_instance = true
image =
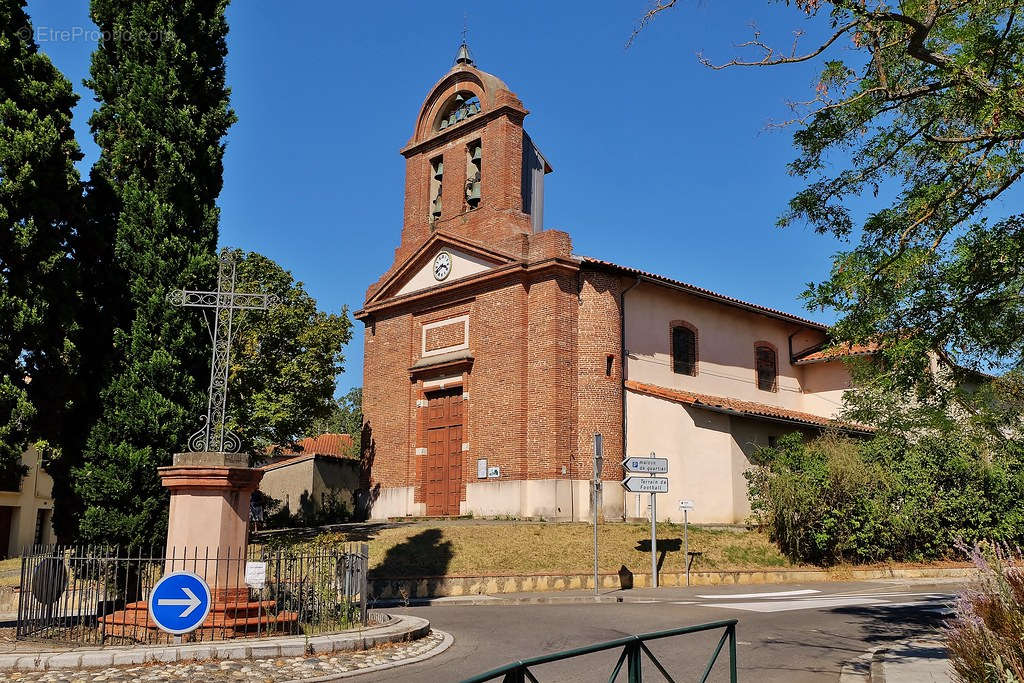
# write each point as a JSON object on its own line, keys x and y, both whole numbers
{"x": 916, "y": 661}
{"x": 265, "y": 670}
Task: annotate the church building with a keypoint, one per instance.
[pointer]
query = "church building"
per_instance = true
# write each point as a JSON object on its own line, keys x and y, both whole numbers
{"x": 494, "y": 353}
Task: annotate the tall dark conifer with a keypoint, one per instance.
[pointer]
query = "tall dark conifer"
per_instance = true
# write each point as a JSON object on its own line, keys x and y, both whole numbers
{"x": 159, "y": 76}
{"x": 40, "y": 206}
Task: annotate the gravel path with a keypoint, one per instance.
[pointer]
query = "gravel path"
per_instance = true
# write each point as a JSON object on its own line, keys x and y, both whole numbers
{"x": 247, "y": 670}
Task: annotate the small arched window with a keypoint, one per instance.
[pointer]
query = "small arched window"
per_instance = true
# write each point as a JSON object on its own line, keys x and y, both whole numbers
{"x": 684, "y": 350}
{"x": 767, "y": 368}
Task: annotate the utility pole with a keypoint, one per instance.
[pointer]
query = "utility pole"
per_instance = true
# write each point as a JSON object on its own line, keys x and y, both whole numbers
{"x": 595, "y": 498}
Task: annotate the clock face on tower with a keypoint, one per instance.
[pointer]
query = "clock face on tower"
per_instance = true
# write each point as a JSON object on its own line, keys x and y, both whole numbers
{"x": 442, "y": 265}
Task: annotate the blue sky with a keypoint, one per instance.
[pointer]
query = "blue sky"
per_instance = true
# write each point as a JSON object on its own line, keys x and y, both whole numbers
{"x": 660, "y": 163}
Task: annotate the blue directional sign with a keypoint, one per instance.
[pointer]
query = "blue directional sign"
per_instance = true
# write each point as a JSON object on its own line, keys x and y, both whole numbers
{"x": 179, "y": 602}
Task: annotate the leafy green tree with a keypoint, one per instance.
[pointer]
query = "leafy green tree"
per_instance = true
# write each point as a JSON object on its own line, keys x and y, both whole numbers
{"x": 346, "y": 417}
{"x": 919, "y": 104}
{"x": 40, "y": 204}
{"x": 284, "y": 361}
{"x": 159, "y": 77}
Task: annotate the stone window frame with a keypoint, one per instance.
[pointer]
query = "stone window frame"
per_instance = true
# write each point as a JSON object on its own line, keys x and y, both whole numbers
{"x": 464, "y": 319}
{"x": 672, "y": 351}
{"x": 757, "y": 379}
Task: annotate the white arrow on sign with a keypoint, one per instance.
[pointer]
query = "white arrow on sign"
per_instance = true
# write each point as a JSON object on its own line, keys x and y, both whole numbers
{"x": 648, "y": 465}
{"x": 645, "y": 484}
{"x": 192, "y": 601}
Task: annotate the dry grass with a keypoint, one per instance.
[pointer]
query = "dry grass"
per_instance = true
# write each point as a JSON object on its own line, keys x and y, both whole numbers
{"x": 436, "y": 548}
{"x": 10, "y": 572}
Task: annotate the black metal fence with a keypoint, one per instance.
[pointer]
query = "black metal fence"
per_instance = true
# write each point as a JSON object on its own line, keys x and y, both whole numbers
{"x": 634, "y": 651}
{"x": 91, "y": 595}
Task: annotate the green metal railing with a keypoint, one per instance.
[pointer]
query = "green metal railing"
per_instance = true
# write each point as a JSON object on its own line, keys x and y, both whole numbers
{"x": 633, "y": 649}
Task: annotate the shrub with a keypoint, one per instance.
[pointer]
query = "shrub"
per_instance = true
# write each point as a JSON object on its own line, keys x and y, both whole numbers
{"x": 837, "y": 499}
{"x": 986, "y": 636}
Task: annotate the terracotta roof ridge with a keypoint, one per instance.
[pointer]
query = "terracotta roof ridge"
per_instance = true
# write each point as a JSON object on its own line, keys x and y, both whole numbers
{"x": 743, "y": 406}
{"x": 844, "y": 350}
{"x": 703, "y": 291}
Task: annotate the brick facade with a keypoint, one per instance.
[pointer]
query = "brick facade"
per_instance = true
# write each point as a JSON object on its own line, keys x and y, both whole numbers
{"x": 543, "y": 367}
{"x": 444, "y": 336}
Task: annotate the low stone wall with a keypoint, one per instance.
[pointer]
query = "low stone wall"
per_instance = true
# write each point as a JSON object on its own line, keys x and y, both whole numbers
{"x": 454, "y": 586}
{"x": 9, "y": 599}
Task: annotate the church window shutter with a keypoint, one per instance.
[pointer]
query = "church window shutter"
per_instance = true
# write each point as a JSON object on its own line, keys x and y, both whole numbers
{"x": 767, "y": 370}
{"x": 684, "y": 350}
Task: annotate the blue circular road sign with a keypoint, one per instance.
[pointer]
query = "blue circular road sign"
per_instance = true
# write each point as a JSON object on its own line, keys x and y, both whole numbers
{"x": 179, "y": 602}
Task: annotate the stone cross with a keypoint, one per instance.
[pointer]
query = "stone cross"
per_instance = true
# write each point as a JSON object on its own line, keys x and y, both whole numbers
{"x": 214, "y": 436}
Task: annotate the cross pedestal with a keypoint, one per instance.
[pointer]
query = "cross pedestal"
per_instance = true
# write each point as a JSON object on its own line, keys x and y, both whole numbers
{"x": 209, "y": 518}
{"x": 207, "y": 535}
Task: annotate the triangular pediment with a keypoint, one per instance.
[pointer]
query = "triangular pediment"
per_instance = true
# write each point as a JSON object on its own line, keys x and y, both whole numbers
{"x": 443, "y": 259}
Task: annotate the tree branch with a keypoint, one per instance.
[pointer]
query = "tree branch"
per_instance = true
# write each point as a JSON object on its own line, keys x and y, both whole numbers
{"x": 769, "y": 58}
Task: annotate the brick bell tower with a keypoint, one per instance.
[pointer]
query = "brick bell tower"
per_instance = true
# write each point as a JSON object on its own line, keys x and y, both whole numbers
{"x": 471, "y": 169}
{"x": 472, "y": 355}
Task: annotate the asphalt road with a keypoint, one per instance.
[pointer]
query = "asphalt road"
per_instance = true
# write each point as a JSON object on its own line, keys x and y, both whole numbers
{"x": 786, "y": 633}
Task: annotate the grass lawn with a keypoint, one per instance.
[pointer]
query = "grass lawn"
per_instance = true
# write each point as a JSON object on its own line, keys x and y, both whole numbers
{"x": 437, "y": 548}
{"x": 10, "y": 572}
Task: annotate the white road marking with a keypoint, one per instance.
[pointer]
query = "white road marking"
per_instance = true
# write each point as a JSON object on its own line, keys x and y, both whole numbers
{"x": 683, "y": 602}
{"x": 777, "y": 594}
{"x": 790, "y": 605}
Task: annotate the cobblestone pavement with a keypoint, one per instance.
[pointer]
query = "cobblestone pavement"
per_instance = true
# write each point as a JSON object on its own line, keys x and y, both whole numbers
{"x": 247, "y": 670}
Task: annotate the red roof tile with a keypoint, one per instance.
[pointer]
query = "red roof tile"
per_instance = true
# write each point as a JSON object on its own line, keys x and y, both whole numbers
{"x": 338, "y": 445}
{"x": 749, "y": 408}
{"x": 706, "y": 293}
{"x": 841, "y": 351}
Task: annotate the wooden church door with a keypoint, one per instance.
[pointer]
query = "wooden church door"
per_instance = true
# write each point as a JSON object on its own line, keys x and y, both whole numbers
{"x": 443, "y": 486}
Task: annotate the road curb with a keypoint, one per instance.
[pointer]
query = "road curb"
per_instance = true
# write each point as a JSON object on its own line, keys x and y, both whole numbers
{"x": 478, "y": 600}
{"x": 400, "y": 628}
{"x": 446, "y": 642}
{"x": 858, "y": 670}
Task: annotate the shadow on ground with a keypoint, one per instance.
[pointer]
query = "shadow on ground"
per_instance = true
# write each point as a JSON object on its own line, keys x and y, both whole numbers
{"x": 424, "y": 554}
{"x": 665, "y": 546}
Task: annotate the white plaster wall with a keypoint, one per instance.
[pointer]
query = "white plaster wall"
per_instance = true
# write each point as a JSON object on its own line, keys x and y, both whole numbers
{"x": 824, "y": 385}
{"x": 397, "y": 501}
{"x": 35, "y": 494}
{"x": 708, "y": 454}
{"x": 463, "y": 265}
{"x": 725, "y": 348}
{"x": 698, "y": 445}
{"x": 552, "y": 499}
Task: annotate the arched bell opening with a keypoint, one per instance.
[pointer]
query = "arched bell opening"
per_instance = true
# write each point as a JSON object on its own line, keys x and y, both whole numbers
{"x": 461, "y": 106}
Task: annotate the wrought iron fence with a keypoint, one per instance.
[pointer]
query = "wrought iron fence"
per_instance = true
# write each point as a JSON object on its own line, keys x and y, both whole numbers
{"x": 83, "y": 595}
{"x": 632, "y": 656}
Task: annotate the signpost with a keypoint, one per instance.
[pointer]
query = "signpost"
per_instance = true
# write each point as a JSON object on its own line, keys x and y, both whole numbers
{"x": 595, "y": 497}
{"x": 647, "y": 465}
{"x": 635, "y": 484}
{"x": 179, "y": 603}
{"x": 653, "y": 486}
{"x": 686, "y": 506}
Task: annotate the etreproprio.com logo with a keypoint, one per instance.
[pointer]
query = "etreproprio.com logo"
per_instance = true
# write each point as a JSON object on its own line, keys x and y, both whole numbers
{"x": 91, "y": 34}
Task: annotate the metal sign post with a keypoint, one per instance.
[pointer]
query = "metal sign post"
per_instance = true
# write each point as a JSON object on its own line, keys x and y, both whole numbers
{"x": 653, "y": 486}
{"x": 595, "y": 496}
{"x": 686, "y": 505}
{"x": 654, "y": 539}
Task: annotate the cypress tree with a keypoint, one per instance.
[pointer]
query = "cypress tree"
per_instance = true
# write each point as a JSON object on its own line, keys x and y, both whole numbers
{"x": 159, "y": 77}
{"x": 40, "y": 205}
